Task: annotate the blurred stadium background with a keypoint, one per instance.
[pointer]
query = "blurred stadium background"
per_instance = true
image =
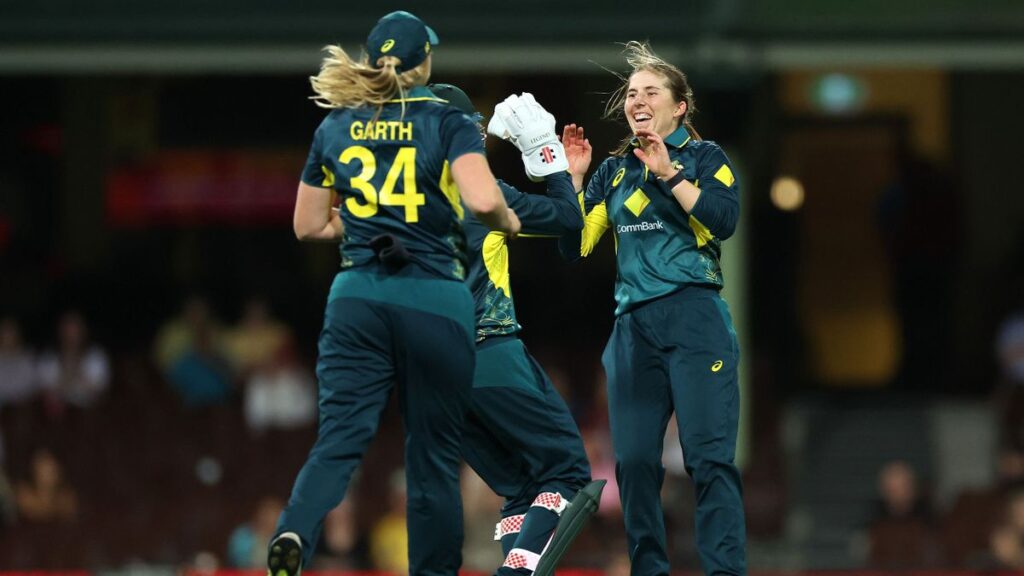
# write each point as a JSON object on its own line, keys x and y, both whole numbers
{"x": 159, "y": 318}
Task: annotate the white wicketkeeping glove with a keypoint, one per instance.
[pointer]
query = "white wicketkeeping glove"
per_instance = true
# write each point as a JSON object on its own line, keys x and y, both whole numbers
{"x": 525, "y": 123}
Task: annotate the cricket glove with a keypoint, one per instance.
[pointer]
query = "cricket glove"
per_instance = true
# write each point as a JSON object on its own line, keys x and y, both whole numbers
{"x": 525, "y": 123}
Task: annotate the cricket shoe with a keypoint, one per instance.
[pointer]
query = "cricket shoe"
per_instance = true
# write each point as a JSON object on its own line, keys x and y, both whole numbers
{"x": 285, "y": 556}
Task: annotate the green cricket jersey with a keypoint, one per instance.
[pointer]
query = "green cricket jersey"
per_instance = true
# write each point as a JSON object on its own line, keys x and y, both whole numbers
{"x": 393, "y": 177}
{"x": 659, "y": 247}
{"x": 556, "y": 214}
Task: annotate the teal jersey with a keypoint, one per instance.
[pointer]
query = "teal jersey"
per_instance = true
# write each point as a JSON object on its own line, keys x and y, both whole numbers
{"x": 554, "y": 215}
{"x": 659, "y": 247}
{"x": 392, "y": 176}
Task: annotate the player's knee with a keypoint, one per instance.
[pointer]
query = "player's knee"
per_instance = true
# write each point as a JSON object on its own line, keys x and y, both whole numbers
{"x": 638, "y": 464}
{"x": 705, "y": 471}
{"x": 569, "y": 483}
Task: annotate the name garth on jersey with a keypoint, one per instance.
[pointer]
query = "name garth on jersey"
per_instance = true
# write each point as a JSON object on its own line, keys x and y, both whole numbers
{"x": 385, "y": 130}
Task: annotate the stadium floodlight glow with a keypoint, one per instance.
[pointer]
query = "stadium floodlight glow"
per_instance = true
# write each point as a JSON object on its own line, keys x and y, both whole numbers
{"x": 839, "y": 93}
{"x": 787, "y": 193}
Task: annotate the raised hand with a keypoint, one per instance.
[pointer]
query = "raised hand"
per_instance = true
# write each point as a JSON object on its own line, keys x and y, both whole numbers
{"x": 578, "y": 152}
{"x": 525, "y": 123}
{"x": 654, "y": 154}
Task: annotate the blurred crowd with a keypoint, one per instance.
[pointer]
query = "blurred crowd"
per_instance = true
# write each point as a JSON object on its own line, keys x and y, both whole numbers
{"x": 186, "y": 455}
{"x": 983, "y": 528}
{"x": 85, "y": 436}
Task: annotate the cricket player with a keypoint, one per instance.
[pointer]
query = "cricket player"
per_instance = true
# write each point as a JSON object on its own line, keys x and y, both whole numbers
{"x": 520, "y": 436}
{"x": 670, "y": 200}
{"x": 404, "y": 164}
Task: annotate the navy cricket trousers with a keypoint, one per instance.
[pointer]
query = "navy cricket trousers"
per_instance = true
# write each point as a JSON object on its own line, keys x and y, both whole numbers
{"x": 381, "y": 330}
{"x": 677, "y": 353}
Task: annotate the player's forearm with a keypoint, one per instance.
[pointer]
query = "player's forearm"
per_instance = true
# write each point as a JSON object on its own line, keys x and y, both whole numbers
{"x": 480, "y": 192}
{"x": 577, "y": 182}
{"x": 563, "y": 197}
{"x": 686, "y": 195}
{"x": 718, "y": 210}
{"x": 332, "y": 231}
{"x": 495, "y": 217}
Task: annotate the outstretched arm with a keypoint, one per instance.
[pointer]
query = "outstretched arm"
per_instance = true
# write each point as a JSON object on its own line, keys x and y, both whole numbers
{"x": 481, "y": 194}
{"x": 556, "y": 214}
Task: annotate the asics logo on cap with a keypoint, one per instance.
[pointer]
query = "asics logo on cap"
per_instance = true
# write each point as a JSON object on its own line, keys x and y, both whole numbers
{"x": 426, "y": 47}
{"x": 386, "y": 46}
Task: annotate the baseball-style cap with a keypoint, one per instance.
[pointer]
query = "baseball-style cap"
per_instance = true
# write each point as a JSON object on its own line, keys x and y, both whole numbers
{"x": 456, "y": 97}
{"x": 402, "y": 35}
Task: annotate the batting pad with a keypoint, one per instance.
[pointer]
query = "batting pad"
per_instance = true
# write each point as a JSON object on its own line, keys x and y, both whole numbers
{"x": 570, "y": 524}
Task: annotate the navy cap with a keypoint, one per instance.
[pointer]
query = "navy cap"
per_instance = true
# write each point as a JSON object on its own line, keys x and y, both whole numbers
{"x": 456, "y": 97}
{"x": 402, "y": 35}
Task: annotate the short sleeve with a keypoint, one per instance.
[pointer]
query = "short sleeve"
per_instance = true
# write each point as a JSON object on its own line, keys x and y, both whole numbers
{"x": 316, "y": 173}
{"x": 459, "y": 135}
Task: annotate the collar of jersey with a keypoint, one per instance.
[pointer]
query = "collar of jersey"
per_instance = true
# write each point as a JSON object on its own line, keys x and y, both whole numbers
{"x": 679, "y": 138}
{"x": 418, "y": 94}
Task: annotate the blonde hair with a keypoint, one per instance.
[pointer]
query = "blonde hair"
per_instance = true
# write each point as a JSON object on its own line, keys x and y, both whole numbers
{"x": 640, "y": 57}
{"x": 347, "y": 83}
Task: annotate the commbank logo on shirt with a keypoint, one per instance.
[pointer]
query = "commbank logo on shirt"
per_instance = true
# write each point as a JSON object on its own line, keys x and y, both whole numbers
{"x": 636, "y": 202}
{"x": 640, "y": 227}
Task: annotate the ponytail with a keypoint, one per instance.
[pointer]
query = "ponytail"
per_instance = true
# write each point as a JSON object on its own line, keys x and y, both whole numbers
{"x": 347, "y": 83}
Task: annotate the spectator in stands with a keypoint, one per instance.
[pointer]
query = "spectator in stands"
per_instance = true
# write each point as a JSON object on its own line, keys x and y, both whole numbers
{"x": 341, "y": 545}
{"x": 1010, "y": 347}
{"x": 177, "y": 336}
{"x": 247, "y": 547}
{"x": 8, "y": 506}
{"x": 18, "y": 382}
{"x": 46, "y": 497}
{"x": 901, "y": 534}
{"x": 280, "y": 393}
{"x": 899, "y": 493}
{"x": 389, "y": 543}
{"x": 1009, "y": 394}
{"x": 257, "y": 339}
{"x": 77, "y": 373}
{"x": 189, "y": 350}
{"x": 201, "y": 376}
{"x": 1007, "y": 540}
{"x": 17, "y": 365}
{"x": 968, "y": 527}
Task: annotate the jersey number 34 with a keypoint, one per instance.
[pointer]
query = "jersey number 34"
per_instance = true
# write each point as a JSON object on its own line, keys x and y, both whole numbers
{"x": 403, "y": 166}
